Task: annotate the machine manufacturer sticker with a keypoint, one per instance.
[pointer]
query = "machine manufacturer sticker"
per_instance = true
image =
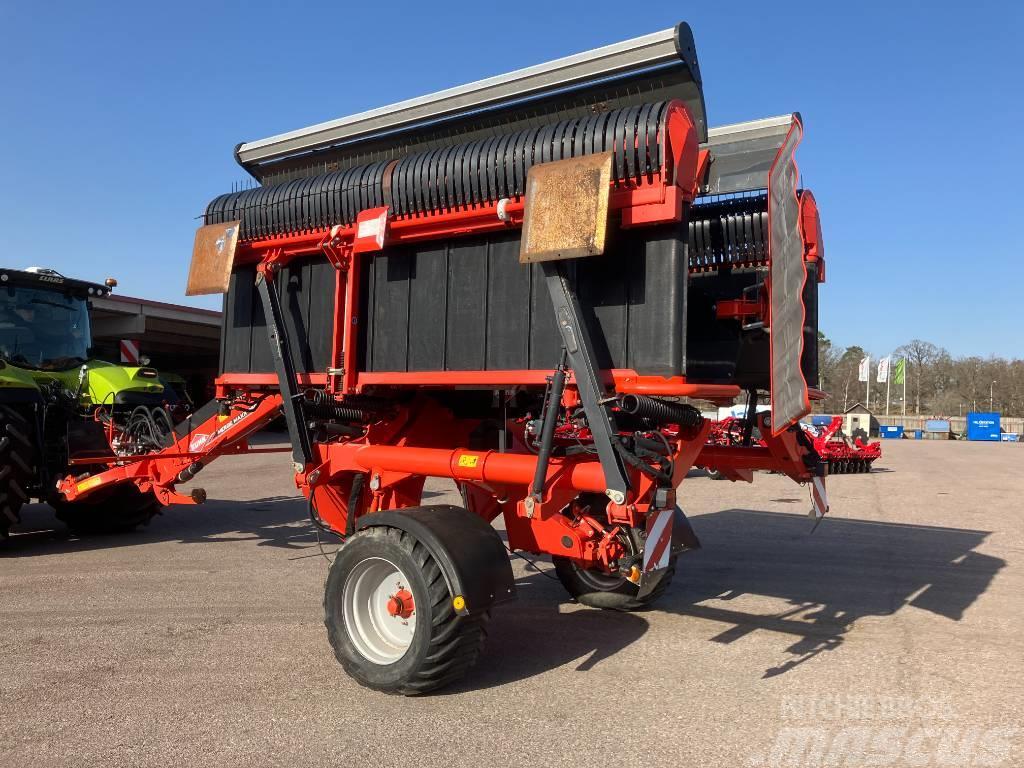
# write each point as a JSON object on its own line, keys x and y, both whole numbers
{"x": 201, "y": 440}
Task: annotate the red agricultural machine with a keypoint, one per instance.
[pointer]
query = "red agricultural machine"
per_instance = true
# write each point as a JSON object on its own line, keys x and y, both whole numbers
{"x": 841, "y": 454}
{"x": 511, "y": 284}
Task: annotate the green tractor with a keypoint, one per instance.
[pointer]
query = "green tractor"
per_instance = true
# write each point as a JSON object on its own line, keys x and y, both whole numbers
{"x": 60, "y": 407}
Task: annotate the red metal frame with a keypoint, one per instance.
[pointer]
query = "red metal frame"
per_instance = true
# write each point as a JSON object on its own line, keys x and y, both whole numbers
{"x": 160, "y": 472}
{"x": 810, "y": 231}
{"x": 418, "y": 438}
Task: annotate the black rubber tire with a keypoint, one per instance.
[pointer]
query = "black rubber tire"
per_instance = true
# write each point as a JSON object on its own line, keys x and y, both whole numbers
{"x": 622, "y": 596}
{"x": 122, "y": 509}
{"x": 17, "y": 464}
{"x": 444, "y": 645}
{"x": 600, "y": 590}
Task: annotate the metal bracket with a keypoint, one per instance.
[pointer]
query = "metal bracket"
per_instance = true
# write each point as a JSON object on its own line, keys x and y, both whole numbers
{"x": 302, "y": 452}
{"x": 590, "y": 380}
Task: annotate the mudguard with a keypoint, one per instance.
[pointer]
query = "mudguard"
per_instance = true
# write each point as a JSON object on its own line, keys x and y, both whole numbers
{"x": 468, "y": 550}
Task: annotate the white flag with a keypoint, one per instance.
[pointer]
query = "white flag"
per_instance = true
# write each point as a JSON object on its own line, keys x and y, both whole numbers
{"x": 864, "y": 370}
{"x": 883, "y": 370}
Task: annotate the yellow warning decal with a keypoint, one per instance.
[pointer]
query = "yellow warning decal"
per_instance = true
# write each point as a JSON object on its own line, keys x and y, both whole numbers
{"x": 85, "y": 485}
{"x": 468, "y": 460}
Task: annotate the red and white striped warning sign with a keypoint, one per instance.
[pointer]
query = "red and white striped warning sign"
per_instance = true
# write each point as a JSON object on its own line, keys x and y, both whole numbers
{"x": 130, "y": 351}
{"x": 658, "y": 546}
{"x": 819, "y": 497}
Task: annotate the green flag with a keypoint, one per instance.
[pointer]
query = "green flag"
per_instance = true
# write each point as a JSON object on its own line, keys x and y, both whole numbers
{"x": 900, "y": 371}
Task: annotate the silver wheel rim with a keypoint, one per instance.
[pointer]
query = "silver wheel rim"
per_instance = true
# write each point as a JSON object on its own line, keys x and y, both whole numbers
{"x": 378, "y": 636}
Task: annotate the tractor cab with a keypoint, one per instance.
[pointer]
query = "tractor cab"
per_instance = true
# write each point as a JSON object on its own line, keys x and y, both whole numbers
{"x": 44, "y": 319}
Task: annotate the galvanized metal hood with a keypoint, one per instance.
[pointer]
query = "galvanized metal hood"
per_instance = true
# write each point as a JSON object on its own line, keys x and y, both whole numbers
{"x": 655, "y": 67}
{"x": 742, "y": 153}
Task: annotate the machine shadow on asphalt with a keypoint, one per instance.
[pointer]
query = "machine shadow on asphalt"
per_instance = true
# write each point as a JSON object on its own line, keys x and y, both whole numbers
{"x": 274, "y": 521}
{"x": 846, "y": 570}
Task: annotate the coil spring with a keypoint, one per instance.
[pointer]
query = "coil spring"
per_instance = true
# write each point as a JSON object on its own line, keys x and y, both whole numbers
{"x": 320, "y": 405}
{"x": 661, "y": 411}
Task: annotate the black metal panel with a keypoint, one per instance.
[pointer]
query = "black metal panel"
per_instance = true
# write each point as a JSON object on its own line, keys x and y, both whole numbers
{"x": 467, "y": 305}
{"x": 545, "y": 340}
{"x": 261, "y": 360}
{"x": 322, "y": 276}
{"x": 717, "y": 350}
{"x": 809, "y": 359}
{"x": 657, "y": 301}
{"x": 390, "y": 311}
{"x": 293, "y": 284}
{"x": 508, "y": 305}
{"x": 236, "y": 333}
{"x": 604, "y": 299}
{"x": 306, "y": 291}
{"x": 428, "y": 299}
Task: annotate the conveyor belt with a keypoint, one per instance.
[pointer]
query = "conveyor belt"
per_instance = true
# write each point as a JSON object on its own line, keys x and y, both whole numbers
{"x": 445, "y": 178}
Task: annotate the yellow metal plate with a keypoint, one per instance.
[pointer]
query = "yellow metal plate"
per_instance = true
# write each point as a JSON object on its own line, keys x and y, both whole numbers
{"x": 213, "y": 255}
{"x": 566, "y": 214}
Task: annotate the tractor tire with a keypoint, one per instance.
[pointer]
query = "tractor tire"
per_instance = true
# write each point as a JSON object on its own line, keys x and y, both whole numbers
{"x": 17, "y": 464}
{"x": 389, "y": 616}
{"x": 122, "y": 509}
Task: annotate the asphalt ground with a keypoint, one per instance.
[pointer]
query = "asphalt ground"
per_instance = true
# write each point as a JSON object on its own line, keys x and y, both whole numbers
{"x": 889, "y": 636}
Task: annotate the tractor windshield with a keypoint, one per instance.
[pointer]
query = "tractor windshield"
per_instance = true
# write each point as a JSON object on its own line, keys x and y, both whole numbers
{"x": 43, "y": 329}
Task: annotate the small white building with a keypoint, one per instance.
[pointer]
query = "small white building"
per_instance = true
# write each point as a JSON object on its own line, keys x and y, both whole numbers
{"x": 858, "y": 421}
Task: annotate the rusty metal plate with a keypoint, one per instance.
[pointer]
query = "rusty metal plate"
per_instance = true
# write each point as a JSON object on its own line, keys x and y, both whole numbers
{"x": 566, "y": 215}
{"x": 213, "y": 256}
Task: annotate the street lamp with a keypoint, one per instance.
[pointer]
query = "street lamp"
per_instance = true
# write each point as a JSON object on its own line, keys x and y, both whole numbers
{"x": 991, "y": 393}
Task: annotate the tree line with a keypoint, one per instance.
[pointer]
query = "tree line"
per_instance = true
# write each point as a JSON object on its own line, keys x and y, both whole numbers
{"x": 938, "y": 384}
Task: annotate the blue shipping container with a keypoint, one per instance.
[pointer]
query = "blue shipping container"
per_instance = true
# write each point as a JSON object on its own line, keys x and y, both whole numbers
{"x": 983, "y": 426}
{"x": 891, "y": 433}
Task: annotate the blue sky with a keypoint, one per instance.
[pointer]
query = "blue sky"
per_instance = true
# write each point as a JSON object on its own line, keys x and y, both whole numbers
{"x": 118, "y": 121}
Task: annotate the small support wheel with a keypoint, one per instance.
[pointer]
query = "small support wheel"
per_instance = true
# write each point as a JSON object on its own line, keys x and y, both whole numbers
{"x": 390, "y": 616}
{"x": 608, "y": 591}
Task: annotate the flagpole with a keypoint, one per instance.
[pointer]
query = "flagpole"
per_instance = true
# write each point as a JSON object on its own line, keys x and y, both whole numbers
{"x": 904, "y": 386}
{"x": 888, "y": 384}
{"x": 867, "y": 389}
